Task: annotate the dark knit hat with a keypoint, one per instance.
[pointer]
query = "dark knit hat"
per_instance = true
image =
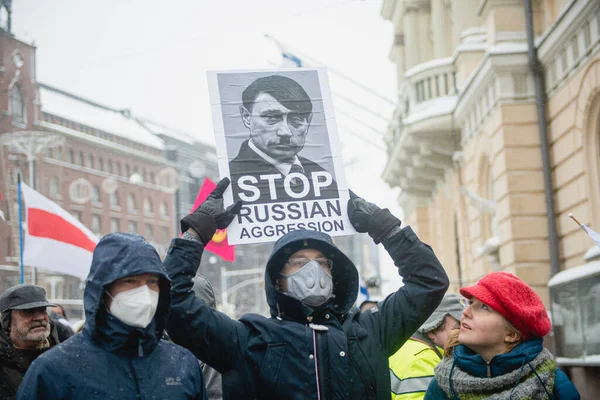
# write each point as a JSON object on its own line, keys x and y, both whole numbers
{"x": 515, "y": 300}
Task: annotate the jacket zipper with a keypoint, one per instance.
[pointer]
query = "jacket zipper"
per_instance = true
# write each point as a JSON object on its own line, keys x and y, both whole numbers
{"x": 489, "y": 369}
{"x": 316, "y": 364}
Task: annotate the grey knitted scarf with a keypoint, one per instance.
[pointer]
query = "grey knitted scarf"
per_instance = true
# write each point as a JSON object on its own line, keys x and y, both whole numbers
{"x": 534, "y": 380}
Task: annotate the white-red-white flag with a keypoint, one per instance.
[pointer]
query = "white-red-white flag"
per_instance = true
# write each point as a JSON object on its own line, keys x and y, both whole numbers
{"x": 54, "y": 239}
{"x": 593, "y": 234}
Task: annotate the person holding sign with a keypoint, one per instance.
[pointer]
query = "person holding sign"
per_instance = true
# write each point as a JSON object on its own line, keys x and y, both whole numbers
{"x": 316, "y": 345}
{"x": 277, "y": 111}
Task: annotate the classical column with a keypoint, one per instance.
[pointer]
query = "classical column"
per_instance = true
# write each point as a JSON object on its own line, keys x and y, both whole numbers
{"x": 441, "y": 28}
{"x": 464, "y": 17}
{"x": 417, "y": 37}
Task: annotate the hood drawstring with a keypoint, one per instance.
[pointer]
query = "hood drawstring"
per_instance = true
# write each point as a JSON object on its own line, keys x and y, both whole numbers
{"x": 541, "y": 381}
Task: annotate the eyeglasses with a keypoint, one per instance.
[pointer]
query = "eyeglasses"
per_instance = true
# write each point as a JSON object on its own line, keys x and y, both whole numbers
{"x": 300, "y": 262}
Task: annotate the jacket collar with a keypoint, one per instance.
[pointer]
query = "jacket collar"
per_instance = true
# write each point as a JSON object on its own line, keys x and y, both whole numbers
{"x": 473, "y": 364}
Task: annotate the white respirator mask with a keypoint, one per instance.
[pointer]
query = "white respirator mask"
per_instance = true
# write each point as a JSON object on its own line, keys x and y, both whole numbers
{"x": 135, "y": 307}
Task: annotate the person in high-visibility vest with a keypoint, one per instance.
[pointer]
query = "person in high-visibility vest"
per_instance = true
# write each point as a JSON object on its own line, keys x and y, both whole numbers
{"x": 411, "y": 367}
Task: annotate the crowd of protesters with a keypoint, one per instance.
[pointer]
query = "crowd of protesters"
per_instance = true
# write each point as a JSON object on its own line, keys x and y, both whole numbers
{"x": 151, "y": 329}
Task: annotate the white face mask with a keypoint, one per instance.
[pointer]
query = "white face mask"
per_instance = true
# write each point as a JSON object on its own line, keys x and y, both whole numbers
{"x": 135, "y": 307}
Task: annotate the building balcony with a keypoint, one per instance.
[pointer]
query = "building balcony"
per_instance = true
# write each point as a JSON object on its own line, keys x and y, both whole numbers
{"x": 423, "y": 136}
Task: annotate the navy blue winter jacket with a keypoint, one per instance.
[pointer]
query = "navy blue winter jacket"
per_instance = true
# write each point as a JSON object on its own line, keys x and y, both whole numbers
{"x": 474, "y": 365}
{"x": 112, "y": 360}
{"x": 329, "y": 352}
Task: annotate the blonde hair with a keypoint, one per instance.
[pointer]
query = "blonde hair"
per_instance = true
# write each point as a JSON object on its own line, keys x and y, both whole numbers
{"x": 452, "y": 340}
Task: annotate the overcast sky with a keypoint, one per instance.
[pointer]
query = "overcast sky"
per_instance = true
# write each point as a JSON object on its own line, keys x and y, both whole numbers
{"x": 152, "y": 56}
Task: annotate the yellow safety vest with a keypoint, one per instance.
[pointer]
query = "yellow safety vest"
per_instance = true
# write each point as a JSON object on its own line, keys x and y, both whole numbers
{"x": 411, "y": 370}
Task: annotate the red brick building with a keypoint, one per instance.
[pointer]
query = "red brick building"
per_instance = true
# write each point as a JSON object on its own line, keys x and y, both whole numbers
{"x": 121, "y": 164}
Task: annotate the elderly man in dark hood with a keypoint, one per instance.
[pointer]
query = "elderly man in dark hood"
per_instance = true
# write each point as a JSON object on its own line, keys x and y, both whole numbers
{"x": 26, "y": 332}
{"x": 316, "y": 345}
{"x": 119, "y": 354}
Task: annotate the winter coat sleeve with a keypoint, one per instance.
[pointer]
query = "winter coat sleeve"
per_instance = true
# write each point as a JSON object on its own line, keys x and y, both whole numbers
{"x": 564, "y": 388}
{"x": 425, "y": 283}
{"x": 435, "y": 392}
{"x": 211, "y": 335}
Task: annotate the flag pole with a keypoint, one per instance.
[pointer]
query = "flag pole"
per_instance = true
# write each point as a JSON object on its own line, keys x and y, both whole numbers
{"x": 577, "y": 222}
{"x": 21, "y": 269}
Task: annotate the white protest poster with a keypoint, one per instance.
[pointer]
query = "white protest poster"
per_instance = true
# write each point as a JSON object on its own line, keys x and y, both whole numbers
{"x": 277, "y": 141}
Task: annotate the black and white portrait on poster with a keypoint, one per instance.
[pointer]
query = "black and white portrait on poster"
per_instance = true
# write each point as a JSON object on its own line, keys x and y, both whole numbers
{"x": 277, "y": 141}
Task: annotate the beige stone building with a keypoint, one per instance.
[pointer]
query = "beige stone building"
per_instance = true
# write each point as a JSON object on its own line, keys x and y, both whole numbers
{"x": 464, "y": 144}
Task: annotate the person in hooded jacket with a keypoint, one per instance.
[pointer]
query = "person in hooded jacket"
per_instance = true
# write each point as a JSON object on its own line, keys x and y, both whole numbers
{"x": 25, "y": 333}
{"x": 316, "y": 345}
{"x": 119, "y": 354}
{"x": 498, "y": 351}
{"x": 212, "y": 378}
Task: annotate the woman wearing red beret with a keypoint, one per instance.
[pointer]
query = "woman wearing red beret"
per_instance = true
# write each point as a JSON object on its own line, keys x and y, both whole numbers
{"x": 498, "y": 351}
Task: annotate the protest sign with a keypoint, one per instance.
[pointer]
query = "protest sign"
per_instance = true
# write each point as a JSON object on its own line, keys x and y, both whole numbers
{"x": 277, "y": 140}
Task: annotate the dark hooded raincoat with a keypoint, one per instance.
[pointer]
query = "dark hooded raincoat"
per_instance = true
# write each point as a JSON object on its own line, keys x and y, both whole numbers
{"x": 110, "y": 359}
{"x": 331, "y": 352}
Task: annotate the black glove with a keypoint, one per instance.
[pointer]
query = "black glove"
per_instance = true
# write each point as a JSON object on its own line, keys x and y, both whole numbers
{"x": 367, "y": 217}
{"x": 211, "y": 215}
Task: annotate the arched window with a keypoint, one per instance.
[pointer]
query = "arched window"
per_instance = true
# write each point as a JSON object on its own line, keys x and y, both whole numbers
{"x": 148, "y": 206}
{"x": 131, "y": 202}
{"x": 163, "y": 210}
{"x": 17, "y": 103}
{"x": 95, "y": 194}
{"x": 53, "y": 187}
{"x": 114, "y": 200}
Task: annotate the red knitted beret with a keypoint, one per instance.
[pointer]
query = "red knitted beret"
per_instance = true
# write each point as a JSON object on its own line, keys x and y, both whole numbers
{"x": 515, "y": 300}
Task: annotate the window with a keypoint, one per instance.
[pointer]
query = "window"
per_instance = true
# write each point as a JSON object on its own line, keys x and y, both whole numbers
{"x": 118, "y": 169}
{"x": 71, "y": 156}
{"x": 100, "y": 164}
{"x": 95, "y": 194}
{"x": 131, "y": 202}
{"x": 151, "y": 178}
{"x": 17, "y": 103}
{"x": 96, "y": 224}
{"x": 53, "y": 187}
{"x": 165, "y": 234}
{"x": 114, "y": 199}
{"x": 76, "y": 215}
{"x": 131, "y": 227}
{"x": 87, "y": 161}
{"x": 78, "y": 158}
{"x": 163, "y": 210}
{"x": 149, "y": 232}
{"x": 127, "y": 171}
{"x": 147, "y": 206}
{"x": 114, "y": 224}
{"x": 576, "y": 312}
{"x": 15, "y": 175}
{"x": 110, "y": 167}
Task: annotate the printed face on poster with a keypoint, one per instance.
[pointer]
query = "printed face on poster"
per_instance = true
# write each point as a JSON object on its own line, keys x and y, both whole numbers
{"x": 277, "y": 141}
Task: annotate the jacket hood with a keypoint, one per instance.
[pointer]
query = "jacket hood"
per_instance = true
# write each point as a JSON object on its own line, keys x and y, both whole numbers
{"x": 345, "y": 275}
{"x": 473, "y": 364}
{"x": 118, "y": 255}
{"x": 204, "y": 291}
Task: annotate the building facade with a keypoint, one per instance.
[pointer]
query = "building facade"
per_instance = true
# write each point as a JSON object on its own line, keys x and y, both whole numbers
{"x": 464, "y": 144}
{"x": 100, "y": 165}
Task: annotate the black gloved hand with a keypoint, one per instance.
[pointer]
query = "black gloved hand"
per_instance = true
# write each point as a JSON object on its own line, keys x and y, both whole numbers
{"x": 367, "y": 217}
{"x": 211, "y": 215}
